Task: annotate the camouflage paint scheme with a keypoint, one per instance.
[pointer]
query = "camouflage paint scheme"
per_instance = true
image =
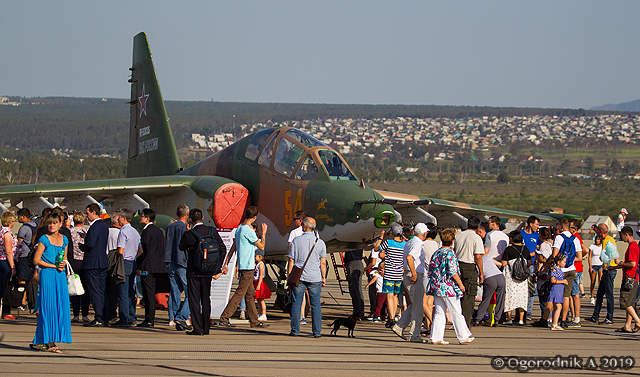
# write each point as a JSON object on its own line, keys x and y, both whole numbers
{"x": 333, "y": 203}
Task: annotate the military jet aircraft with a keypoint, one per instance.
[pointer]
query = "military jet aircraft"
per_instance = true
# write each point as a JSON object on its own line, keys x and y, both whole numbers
{"x": 280, "y": 170}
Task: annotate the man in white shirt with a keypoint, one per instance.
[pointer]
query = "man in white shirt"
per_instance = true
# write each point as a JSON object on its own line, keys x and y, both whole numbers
{"x": 112, "y": 285}
{"x": 496, "y": 240}
{"x": 297, "y": 219}
{"x": 414, "y": 283}
{"x": 469, "y": 251}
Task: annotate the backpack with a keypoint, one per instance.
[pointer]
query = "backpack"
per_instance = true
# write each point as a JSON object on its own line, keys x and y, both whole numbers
{"x": 568, "y": 249}
{"x": 207, "y": 257}
{"x": 519, "y": 270}
{"x": 31, "y": 246}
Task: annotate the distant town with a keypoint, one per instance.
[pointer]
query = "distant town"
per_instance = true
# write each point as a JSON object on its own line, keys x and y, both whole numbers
{"x": 371, "y": 137}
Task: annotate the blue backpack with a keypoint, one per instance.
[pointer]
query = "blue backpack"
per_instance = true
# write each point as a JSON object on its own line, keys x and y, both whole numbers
{"x": 568, "y": 249}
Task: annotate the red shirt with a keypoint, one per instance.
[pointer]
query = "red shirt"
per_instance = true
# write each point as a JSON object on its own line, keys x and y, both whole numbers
{"x": 578, "y": 263}
{"x": 631, "y": 256}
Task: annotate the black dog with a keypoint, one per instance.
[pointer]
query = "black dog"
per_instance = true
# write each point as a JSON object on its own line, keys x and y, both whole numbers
{"x": 349, "y": 323}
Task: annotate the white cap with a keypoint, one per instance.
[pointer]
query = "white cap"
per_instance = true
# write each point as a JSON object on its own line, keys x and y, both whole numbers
{"x": 420, "y": 228}
{"x": 624, "y": 210}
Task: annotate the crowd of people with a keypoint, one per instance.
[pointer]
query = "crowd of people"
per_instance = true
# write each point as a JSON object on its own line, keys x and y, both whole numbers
{"x": 435, "y": 283}
{"x": 113, "y": 262}
{"x": 416, "y": 283}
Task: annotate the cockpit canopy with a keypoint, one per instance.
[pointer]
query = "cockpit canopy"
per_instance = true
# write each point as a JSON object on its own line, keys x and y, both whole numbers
{"x": 296, "y": 154}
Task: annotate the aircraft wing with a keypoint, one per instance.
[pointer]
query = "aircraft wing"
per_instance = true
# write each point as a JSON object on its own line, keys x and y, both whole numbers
{"x": 163, "y": 193}
{"x": 445, "y": 213}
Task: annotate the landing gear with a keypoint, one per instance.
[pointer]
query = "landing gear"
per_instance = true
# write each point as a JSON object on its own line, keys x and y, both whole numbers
{"x": 279, "y": 269}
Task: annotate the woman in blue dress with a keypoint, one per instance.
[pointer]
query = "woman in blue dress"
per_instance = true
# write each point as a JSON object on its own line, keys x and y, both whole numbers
{"x": 54, "y": 320}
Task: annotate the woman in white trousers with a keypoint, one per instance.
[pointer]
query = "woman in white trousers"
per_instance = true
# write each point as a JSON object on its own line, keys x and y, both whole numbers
{"x": 445, "y": 285}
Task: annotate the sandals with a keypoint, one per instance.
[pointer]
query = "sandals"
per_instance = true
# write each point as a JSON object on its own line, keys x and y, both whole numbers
{"x": 54, "y": 349}
{"x": 557, "y": 328}
{"x": 38, "y": 347}
{"x": 44, "y": 347}
{"x": 440, "y": 342}
{"x": 624, "y": 330}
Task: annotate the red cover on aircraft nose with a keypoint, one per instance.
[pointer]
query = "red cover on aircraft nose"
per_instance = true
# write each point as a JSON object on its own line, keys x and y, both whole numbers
{"x": 229, "y": 203}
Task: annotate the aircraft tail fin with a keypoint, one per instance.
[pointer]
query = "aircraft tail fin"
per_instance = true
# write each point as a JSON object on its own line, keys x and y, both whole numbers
{"x": 152, "y": 150}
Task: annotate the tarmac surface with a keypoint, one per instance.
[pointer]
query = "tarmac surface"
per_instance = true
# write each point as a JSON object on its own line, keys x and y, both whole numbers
{"x": 243, "y": 351}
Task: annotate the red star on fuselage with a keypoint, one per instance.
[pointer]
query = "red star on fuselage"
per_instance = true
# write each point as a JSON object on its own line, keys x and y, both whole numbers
{"x": 143, "y": 102}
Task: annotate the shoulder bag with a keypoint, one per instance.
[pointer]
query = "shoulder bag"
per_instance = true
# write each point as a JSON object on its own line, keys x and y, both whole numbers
{"x": 627, "y": 283}
{"x": 296, "y": 272}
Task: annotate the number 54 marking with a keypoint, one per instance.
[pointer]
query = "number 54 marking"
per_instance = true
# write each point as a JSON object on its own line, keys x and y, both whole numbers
{"x": 289, "y": 210}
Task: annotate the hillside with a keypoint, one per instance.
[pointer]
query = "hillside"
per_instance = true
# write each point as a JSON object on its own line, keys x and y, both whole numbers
{"x": 626, "y": 106}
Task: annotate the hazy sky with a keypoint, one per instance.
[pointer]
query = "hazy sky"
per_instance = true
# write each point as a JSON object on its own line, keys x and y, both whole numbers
{"x": 499, "y": 53}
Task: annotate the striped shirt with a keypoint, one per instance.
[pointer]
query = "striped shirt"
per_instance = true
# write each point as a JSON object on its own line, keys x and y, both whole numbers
{"x": 393, "y": 259}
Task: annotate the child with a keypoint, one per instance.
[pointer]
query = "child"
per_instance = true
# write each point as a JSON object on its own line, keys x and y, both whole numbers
{"x": 262, "y": 291}
{"x": 542, "y": 254}
{"x": 557, "y": 290}
{"x": 381, "y": 298}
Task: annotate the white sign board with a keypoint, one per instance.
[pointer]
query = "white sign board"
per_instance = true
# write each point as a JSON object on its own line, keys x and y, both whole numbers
{"x": 221, "y": 288}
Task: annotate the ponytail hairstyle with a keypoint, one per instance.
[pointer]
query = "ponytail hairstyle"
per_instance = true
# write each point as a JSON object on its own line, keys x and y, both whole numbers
{"x": 558, "y": 259}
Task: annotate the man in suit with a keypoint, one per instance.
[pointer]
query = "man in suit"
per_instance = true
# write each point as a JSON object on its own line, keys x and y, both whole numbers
{"x": 199, "y": 283}
{"x": 96, "y": 264}
{"x": 150, "y": 264}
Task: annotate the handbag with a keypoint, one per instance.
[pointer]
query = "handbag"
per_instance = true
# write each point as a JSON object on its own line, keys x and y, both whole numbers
{"x": 73, "y": 282}
{"x": 288, "y": 301}
{"x": 296, "y": 272}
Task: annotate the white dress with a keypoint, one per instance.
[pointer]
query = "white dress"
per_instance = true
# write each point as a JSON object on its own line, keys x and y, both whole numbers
{"x": 516, "y": 294}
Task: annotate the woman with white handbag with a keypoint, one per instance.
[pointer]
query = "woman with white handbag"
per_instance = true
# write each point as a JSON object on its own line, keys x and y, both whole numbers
{"x": 54, "y": 320}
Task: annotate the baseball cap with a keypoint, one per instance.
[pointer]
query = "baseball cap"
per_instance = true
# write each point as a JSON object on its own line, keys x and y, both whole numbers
{"x": 396, "y": 229}
{"x": 624, "y": 210}
{"x": 421, "y": 228}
